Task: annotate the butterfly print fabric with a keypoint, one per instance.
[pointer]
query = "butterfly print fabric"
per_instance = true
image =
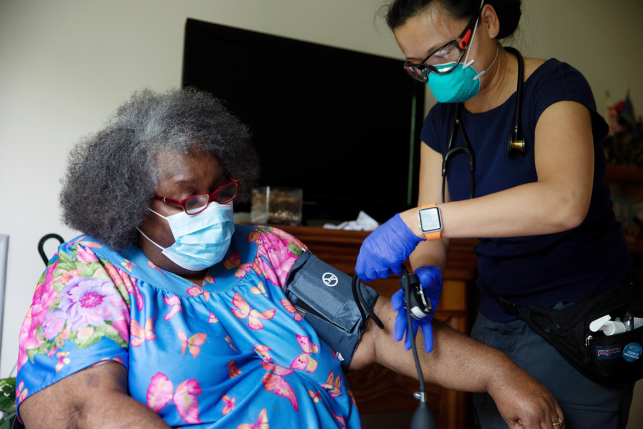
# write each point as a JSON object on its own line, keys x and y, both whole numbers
{"x": 230, "y": 352}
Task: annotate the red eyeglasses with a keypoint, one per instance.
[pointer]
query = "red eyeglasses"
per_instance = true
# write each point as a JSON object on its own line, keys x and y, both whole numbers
{"x": 197, "y": 203}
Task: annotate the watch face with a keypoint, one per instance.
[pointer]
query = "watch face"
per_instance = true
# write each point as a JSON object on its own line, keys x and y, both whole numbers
{"x": 430, "y": 220}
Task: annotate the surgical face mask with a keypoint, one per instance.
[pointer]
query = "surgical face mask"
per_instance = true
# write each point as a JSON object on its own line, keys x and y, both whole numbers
{"x": 202, "y": 240}
{"x": 462, "y": 84}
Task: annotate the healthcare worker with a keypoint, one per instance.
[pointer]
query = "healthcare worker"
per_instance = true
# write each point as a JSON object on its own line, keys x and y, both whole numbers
{"x": 531, "y": 190}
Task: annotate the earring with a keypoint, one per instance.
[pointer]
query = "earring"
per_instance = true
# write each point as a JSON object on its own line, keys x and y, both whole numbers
{"x": 493, "y": 32}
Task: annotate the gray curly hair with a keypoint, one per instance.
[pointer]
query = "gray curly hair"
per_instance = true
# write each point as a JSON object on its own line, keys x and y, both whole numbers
{"x": 111, "y": 175}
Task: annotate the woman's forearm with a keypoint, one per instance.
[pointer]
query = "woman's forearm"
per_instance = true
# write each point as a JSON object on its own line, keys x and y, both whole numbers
{"x": 118, "y": 411}
{"x": 529, "y": 209}
{"x": 461, "y": 363}
{"x": 456, "y": 362}
{"x": 89, "y": 399}
{"x": 430, "y": 253}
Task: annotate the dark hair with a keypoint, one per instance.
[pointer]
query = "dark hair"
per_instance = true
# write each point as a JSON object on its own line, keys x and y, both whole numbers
{"x": 508, "y": 11}
{"x": 111, "y": 175}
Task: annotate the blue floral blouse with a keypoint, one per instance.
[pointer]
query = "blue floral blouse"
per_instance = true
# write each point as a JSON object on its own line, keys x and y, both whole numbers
{"x": 231, "y": 352}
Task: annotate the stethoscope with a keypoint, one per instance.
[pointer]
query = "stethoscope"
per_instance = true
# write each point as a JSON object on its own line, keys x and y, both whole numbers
{"x": 516, "y": 142}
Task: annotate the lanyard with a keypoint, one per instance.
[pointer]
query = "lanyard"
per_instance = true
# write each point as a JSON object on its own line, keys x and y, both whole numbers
{"x": 516, "y": 142}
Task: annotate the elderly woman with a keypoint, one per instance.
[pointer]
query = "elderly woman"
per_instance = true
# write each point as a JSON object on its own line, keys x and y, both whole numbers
{"x": 164, "y": 313}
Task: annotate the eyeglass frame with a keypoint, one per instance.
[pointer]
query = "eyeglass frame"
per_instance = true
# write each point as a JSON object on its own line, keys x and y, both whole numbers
{"x": 211, "y": 197}
{"x": 464, "y": 37}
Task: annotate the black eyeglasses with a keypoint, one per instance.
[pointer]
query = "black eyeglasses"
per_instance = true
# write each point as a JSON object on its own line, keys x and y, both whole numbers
{"x": 452, "y": 52}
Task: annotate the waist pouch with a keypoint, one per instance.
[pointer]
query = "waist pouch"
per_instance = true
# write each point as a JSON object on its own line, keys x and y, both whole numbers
{"x": 601, "y": 358}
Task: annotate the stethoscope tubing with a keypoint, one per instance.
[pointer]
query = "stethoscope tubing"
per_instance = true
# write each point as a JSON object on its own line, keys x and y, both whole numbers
{"x": 458, "y": 125}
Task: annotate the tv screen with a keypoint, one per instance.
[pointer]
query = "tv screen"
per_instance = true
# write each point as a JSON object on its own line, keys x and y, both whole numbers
{"x": 342, "y": 125}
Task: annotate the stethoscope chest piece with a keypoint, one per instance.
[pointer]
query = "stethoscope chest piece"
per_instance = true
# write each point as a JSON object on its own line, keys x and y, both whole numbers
{"x": 516, "y": 146}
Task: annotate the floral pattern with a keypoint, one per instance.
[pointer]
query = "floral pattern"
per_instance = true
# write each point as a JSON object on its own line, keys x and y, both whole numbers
{"x": 93, "y": 306}
{"x": 280, "y": 252}
{"x": 72, "y": 304}
{"x": 90, "y": 301}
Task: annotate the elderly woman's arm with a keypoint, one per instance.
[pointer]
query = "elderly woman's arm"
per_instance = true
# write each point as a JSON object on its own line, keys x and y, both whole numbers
{"x": 459, "y": 362}
{"x": 92, "y": 398}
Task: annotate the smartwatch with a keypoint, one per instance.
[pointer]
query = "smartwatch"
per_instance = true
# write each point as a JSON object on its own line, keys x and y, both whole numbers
{"x": 430, "y": 221}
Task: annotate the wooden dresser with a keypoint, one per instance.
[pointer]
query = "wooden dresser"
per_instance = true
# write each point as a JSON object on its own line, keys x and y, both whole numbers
{"x": 377, "y": 389}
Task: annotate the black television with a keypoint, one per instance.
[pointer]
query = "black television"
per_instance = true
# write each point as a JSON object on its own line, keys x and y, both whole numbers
{"x": 342, "y": 125}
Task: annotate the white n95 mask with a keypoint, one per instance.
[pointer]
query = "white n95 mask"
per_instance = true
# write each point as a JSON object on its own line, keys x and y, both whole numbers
{"x": 202, "y": 240}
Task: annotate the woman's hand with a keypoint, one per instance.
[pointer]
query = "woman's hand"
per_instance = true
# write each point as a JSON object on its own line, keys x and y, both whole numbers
{"x": 431, "y": 281}
{"x": 384, "y": 251}
{"x": 523, "y": 402}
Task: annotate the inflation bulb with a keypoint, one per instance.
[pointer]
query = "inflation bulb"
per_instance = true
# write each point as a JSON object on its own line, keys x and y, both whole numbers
{"x": 423, "y": 418}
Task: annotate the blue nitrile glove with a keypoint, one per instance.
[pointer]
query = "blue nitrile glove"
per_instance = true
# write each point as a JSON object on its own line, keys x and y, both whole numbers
{"x": 431, "y": 281}
{"x": 384, "y": 251}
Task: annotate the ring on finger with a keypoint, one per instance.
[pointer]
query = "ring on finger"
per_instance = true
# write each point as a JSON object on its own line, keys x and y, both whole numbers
{"x": 559, "y": 422}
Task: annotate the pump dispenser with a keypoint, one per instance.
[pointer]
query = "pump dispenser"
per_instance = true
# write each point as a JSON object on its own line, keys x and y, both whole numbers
{"x": 607, "y": 326}
{"x": 611, "y": 328}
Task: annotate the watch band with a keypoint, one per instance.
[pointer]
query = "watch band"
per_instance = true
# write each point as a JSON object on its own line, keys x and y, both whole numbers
{"x": 436, "y": 235}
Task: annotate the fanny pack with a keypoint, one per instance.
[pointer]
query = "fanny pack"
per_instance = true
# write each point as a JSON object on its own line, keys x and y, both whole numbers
{"x": 601, "y": 358}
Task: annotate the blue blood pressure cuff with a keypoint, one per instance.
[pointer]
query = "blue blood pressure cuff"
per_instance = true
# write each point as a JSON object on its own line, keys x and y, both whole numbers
{"x": 324, "y": 297}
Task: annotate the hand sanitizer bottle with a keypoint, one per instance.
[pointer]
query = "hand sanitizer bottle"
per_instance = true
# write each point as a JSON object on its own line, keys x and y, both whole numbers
{"x": 608, "y": 327}
{"x": 612, "y": 328}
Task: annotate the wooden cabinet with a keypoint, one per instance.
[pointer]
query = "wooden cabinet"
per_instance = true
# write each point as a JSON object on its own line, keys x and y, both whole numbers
{"x": 377, "y": 389}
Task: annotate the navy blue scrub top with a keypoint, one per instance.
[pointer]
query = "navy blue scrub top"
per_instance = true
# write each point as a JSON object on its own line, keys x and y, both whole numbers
{"x": 537, "y": 270}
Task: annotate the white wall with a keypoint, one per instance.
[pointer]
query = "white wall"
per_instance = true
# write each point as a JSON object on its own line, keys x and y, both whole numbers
{"x": 66, "y": 65}
{"x": 602, "y": 38}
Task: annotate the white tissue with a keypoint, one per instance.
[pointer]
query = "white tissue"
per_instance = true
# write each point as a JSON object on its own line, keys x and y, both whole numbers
{"x": 363, "y": 223}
